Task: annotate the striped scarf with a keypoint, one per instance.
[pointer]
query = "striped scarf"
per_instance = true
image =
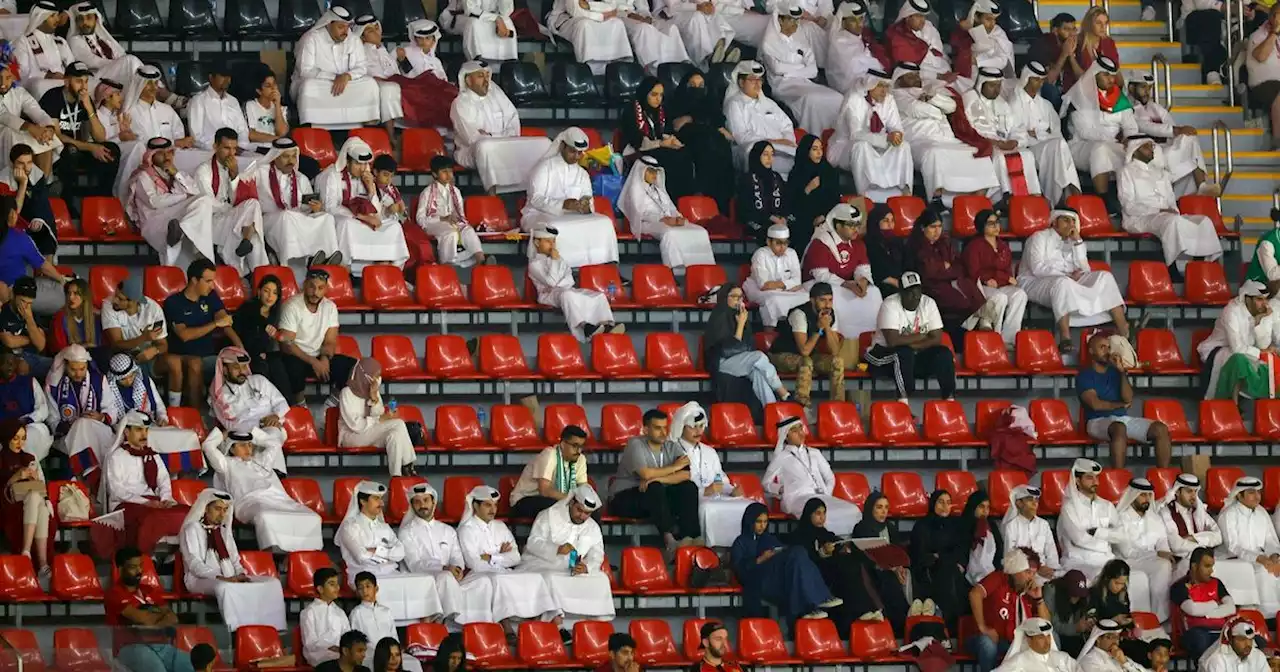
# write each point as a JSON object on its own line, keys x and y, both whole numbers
{"x": 566, "y": 474}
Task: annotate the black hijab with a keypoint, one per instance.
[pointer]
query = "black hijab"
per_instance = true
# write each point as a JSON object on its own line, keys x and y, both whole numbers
{"x": 807, "y": 534}
{"x": 935, "y": 534}
{"x": 806, "y": 169}
{"x": 696, "y": 102}
{"x": 649, "y": 122}
{"x": 869, "y": 527}
{"x": 885, "y": 252}
{"x": 722, "y": 325}
{"x": 765, "y": 184}
{"x": 976, "y": 528}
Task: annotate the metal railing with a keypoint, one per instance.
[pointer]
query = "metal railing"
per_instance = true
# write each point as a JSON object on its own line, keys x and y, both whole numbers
{"x": 1157, "y": 61}
{"x": 1233, "y": 12}
{"x": 1218, "y": 176}
{"x": 1275, "y": 208}
{"x": 1169, "y": 20}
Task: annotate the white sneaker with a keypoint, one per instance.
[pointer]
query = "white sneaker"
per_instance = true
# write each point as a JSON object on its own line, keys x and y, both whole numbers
{"x": 1213, "y": 78}
{"x": 917, "y": 608}
{"x": 832, "y": 603}
{"x": 1149, "y": 14}
{"x": 817, "y": 613}
{"x": 929, "y": 608}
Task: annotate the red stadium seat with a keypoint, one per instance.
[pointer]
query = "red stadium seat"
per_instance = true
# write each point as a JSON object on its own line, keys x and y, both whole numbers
{"x": 731, "y": 426}
{"x": 644, "y": 571}
{"x": 871, "y": 640}
{"x": 619, "y": 423}
{"x": 259, "y": 563}
{"x": 539, "y": 645}
{"x": 300, "y": 426}
{"x": 24, "y": 643}
{"x": 964, "y": 210}
{"x": 591, "y": 642}
{"x": 288, "y": 285}
{"x": 701, "y": 278}
{"x": 300, "y": 570}
{"x": 984, "y": 352}
{"x": 706, "y": 558}
{"x": 1220, "y": 421}
{"x": 1053, "y": 490}
{"x": 186, "y": 490}
{"x": 613, "y": 356}
{"x": 512, "y": 427}
{"x": 426, "y": 635}
{"x": 229, "y": 286}
{"x": 455, "y": 493}
{"x": 255, "y": 643}
{"x": 600, "y": 277}
{"x": 344, "y": 487}
{"x": 161, "y": 282}
{"x": 602, "y": 206}
{"x": 74, "y": 578}
{"x": 1094, "y": 220}
{"x": 103, "y": 219}
{"x": 905, "y": 490}
{"x": 666, "y": 355}
{"x": 1158, "y": 352}
{"x": 458, "y": 428}
{"x": 1162, "y": 478}
{"x": 944, "y": 422}
{"x": 751, "y": 486}
{"x": 398, "y": 495}
{"x": 500, "y": 356}
{"x": 779, "y": 411}
{"x": 987, "y": 414}
{"x": 905, "y": 211}
{"x": 1266, "y": 420}
{"x": 1199, "y": 204}
{"x": 1000, "y": 484}
{"x": 1053, "y": 422}
{"x": 1037, "y": 352}
{"x": 654, "y": 644}
{"x": 341, "y": 291}
{"x": 104, "y": 279}
{"x": 852, "y": 486}
{"x": 419, "y": 146}
{"x": 760, "y": 642}
{"x": 1149, "y": 284}
{"x": 1218, "y": 484}
{"x": 487, "y": 211}
{"x": 1206, "y": 283}
{"x": 449, "y": 359}
{"x": 818, "y": 642}
{"x": 348, "y": 346}
{"x": 698, "y": 208}
{"x": 315, "y": 143}
{"x": 1259, "y": 623}
{"x": 959, "y": 484}
{"x": 1169, "y": 411}
{"x": 560, "y": 356}
{"x": 1028, "y": 214}
{"x": 840, "y": 425}
{"x": 492, "y": 286}
{"x": 1112, "y": 483}
{"x": 186, "y": 417}
{"x": 395, "y": 354}
{"x": 892, "y": 423}
{"x": 187, "y": 637}
{"x": 555, "y": 417}
{"x": 64, "y": 226}
{"x": 488, "y": 643}
{"x": 385, "y": 289}
{"x": 375, "y": 137}
{"x": 439, "y": 287}
{"x": 692, "y": 636}
{"x": 654, "y": 285}
{"x": 306, "y": 492}
{"x": 1270, "y": 487}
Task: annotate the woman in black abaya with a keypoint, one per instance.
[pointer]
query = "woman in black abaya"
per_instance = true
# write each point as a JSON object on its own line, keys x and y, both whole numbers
{"x": 698, "y": 120}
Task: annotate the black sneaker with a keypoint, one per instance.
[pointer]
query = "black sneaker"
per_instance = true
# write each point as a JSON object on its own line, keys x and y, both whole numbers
{"x": 316, "y": 259}
{"x": 174, "y": 234}
{"x": 244, "y": 248}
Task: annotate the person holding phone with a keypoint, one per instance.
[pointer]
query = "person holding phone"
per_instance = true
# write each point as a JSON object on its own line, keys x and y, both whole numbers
{"x": 728, "y": 347}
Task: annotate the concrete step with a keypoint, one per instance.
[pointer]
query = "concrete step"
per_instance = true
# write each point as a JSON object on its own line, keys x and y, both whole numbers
{"x": 1181, "y": 73}
{"x": 1121, "y": 10}
{"x": 1155, "y": 30}
{"x": 1249, "y": 160}
{"x": 1252, "y": 183}
{"x": 1249, "y": 206}
{"x": 1242, "y": 140}
{"x": 1139, "y": 51}
{"x": 1204, "y": 116}
{"x": 1198, "y": 93}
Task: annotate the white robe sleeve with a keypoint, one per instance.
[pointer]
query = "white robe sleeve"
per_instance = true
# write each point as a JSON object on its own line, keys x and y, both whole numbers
{"x": 363, "y": 619}
{"x": 1236, "y": 546}
{"x": 40, "y": 412}
{"x": 31, "y": 109}
{"x": 1267, "y": 258}
{"x": 1147, "y": 121}
{"x": 470, "y": 540}
{"x": 317, "y": 633}
{"x": 512, "y": 557}
{"x": 1240, "y": 336}
{"x": 542, "y": 544}
{"x": 195, "y": 553}
{"x": 546, "y": 192}
{"x": 213, "y": 452}
{"x": 124, "y": 479}
{"x": 201, "y": 131}
{"x": 773, "y": 481}
{"x": 828, "y": 477}
{"x": 308, "y": 61}
{"x": 1088, "y": 126}
{"x": 593, "y": 553}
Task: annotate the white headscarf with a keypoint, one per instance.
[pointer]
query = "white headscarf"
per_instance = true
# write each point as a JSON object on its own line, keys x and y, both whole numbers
{"x": 420, "y": 489}
{"x": 428, "y": 28}
{"x": 783, "y": 428}
{"x": 638, "y": 196}
{"x": 1239, "y": 626}
{"x": 133, "y": 88}
{"x": 984, "y": 6}
{"x": 912, "y": 7}
{"x": 468, "y": 68}
{"x": 99, "y": 30}
{"x": 1137, "y": 487}
{"x": 1183, "y": 481}
{"x": 743, "y": 68}
{"x": 1032, "y": 69}
{"x": 847, "y": 9}
{"x": 479, "y": 493}
{"x": 905, "y": 68}
{"x": 1018, "y": 492}
{"x": 1083, "y": 95}
{"x": 988, "y": 75}
{"x": 335, "y": 13}
{"x": 584, "y": 495}
{"x": 352, "y": 148}
{"x": 39, "y": 13}
{"x": 203, "y": 500}
{"x": 782, "y": 9}
{"x": 1025, "y": 631}
{"x": 353, "y": 507}
{"x": 1103, "y": 627}
{"x": 573, "y": 136}
{"x": 871, "y": 78}
{"x": 72, "y": 353}
{"x": 1242, "y": 484}
{"x": 689, "y": 415}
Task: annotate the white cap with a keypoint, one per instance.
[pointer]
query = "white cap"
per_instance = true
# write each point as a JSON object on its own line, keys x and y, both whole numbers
{"x": 910, "y": 279}
{"x": 779, "y": 232}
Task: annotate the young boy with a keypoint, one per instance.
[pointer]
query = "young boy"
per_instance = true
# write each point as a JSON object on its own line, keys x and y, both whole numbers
{"x": 322, "y": 621}
{"x": 441, "y": 214}
{"x": 375, "y": 620}
{"x": 384, "y": 171}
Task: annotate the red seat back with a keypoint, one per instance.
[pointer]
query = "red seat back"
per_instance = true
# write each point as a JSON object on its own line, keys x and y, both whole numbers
{"x": 907, "y": 498}
{"x": 760, "y": 641}
{"x": 905, "y": 211}
{"x": 255, "y": 643}
{"x": 161, "y": 282}
{"x": 513, "y": 426}
{"x": 186, "y": 490}
{"x": 871, "y": 640}
{"x": 428, "y": 635}
{"x": 458, "y": 427}
{"x": 839, "y": 423}
{"x": 419, "y": 146}
{"x": 1094, "y": 220}
{"x": 384, "y": 286}
{"x": 944, "y": 422}
{"x": 619, "y": 423}
{"x": 456, "y": 489}
{"x": 591, "y": 642}
{"x": 104, "y": 279}
{"x": 1158, "y": 349}
{"x": 315, "y": 143}
{"x": 1112, "y": 483}
{"x": 1052, "y": 419}
{"x": 700, "y": 278}
{"x": 1169, "y": 411}
{"x": 731, "y": 425}
{"x": 24, "y": 643}
{"x": 1149, "y": 282}
{"x": 555, "y": 417}
{"x": 501, "y": 356}
{"x": 186, "y": 417}
{"x": 852, "y": 486}
{"x": 395, "y": 353}
{"x": 1000, "y": 484}
{"x": 229, "y": 286}
{"x": 539, "y": 644}
{"x": 1206, "y": 283}
{"x": 1028, "y": 214}
{"x": 493, "y": 286}
{"x": 1053, "y": 490}
{"x": 1220, "y": 420}
{"x": 103, "y": 219}
{"x": 1202, "y": 204}
{"x": 439, "y": 287}
{"x": 300, "y": 571}
{"x": 667, "y": 354}
{"x": 964, "y": 210}
{"x": 959, "y": 484}
{"x": 818, "y": 640}
{"x": 986, "y": 416}
{"x": 375, "y": 137}
{"x": 398, "y": 495}
{"x": 1037, "y": 351}
{"x": 488, "y": 211}
{"x": 1163, "y": 478}
{"x": 644, "y": 569}
{"x": 613, "y": 356}
{"x": 654, "y": 285}
{"x": 74, "y": 577}
{"x": 698, "y": 208}
{"x": 448, "y": 357}
{"x": 891, "y": 422}
{"x": 599, "y": 277}
{"x": 1218, "y": 484}
{"x": 560, "y": 356}
{"x": 654, "y": 643}
{"x": 984, "y": 352}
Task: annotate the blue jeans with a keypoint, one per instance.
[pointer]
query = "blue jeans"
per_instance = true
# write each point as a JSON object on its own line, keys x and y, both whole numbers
{"x": 1053, "y": 94}
{"x": 988, "y": 652}
{"x": 154, "y": 658}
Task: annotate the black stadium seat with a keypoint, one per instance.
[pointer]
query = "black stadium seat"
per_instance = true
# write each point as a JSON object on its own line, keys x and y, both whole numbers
{"x": 620, "y": 81}
{"x": 522, "y": 82}
{"x": 192, "y": 18}
{"x": 719, "y": 79}
{"x": 138, "y": 19}
{"x": 357, "y": 8}
{"x": 296, "y": 16}
{"x": 247, "y": 18}
{"x": 573, "y": 83}
{"x": 192, "y": 78}
{"x": 1018, "y": 19}
{"x": 397, "y": 15}
{"x": 672, "y": 74}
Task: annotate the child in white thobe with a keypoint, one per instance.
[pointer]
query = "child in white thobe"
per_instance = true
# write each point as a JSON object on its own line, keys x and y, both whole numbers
{"x": 381, "y": 66}
{"x": 323, "y": 622}
{"x": 441, "y": 214}
{"x": 648, "y": 207}
{"x": 375, "y": 620}
{"x": 991, "y": 45}
{"x": 431, "y": 547}
{"x": 586, "y": 311}
{"x": 581, "y": 589}
{"x": 248, "y": 473}
{"x": 589, "y": 238}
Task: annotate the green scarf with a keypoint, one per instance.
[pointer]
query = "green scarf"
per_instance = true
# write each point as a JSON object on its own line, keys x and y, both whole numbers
{"x": 566, "y": 474}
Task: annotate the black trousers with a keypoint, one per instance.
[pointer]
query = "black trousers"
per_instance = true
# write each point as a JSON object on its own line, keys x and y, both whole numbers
{"x": 272, "y": 367}
{"x": 1203, "y": 30}
{"x": 530, "y": 506}
{"x": 670, "y": 507}
{"x": 904, "y": 366}
{"x": 298, "y": 371}
{"x": 37, "y": 206}
{"x": 101, "y": 174}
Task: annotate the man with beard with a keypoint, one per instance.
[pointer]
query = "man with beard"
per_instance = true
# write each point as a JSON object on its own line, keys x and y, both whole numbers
{"x": 1189, "y": 526}
{"x": 41, "y": 54}
{"x": 84, "y": 138}
{"x": 487, "y": 131}
{"x": 431, "y": 547}
{"x": 1106, "y": 397}
{"x": 1183, "y": 158}
{"x": 84, "y": 409}
{"x": 331, "y": 81}
{"x": 1086, "y": 526}
{"x": 136, "y": 489}
{"x": 171, "y": 211}
{"x": 196, "y": 316}
{"x": 1033, "y": 650}
{"x": 1001, "y": 601}
{"x": 993, "y": 118}
{"x": 248, "y": 402}
{"x": 30, "y": 188}
{"x": 1103, "y": 653}
{"x": 1203, "y": 602}
{"x": 237, "y": 217}
{"x": 214, "y": 109}
{"x": 1249, "y": 535}
{"x": 308, "y": 335}
{"x": 1144, "y": 545}
{"x": 715, "y": 648}
{"x": 142, "y": 624}
{"x": 296, "y": 226}
{"x": 1022, "y": 528}
{"x": 562, "y": 533}
{"x": 853, "y": 49}
{"x": 1238, "y": 650}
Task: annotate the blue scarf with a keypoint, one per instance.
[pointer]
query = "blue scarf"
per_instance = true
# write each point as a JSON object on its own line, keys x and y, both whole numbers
{"x": 67, "y": 401}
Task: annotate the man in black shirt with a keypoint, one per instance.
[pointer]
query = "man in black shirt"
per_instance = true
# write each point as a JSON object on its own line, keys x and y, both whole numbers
{"x": 798, "y": 346}
{"x": 1056, "y": 51}
{"x": 352, "y": 648}
{"x": 84, "y": 138}
{"x": 196, "y": 318}
{"x": 19, "y": 331}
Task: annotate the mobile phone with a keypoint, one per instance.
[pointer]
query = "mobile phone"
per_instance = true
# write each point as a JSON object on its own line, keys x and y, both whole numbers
{"x": 155, "y": 325}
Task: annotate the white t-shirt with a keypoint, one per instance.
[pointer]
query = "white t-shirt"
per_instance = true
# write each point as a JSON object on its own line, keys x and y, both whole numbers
{"x": 924, "y": 319}
{"x": 262, "y": 120}
{"x": 309, "y": 327}
{"x": 131, "y": 326}
{"x": 1268, "y": 70}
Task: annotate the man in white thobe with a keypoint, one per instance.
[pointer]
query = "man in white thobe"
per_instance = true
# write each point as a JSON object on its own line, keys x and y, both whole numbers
{"x": 42, "y": 56}
{"x": 173, "y": 213}
{"x": 655, "y": 40}
{"x": 431, "y": 547}
{"x": 829, "y": 258}
{"x": 211, "y": 566}
{"x": 1055, "y": 273}
{"x": 322, "y": 623}
{"x": 490, "y": 552}
{"x": 331, "y": 81}
{"x": 852, "y": 50}
{"x": 237, "y": 221}
{"x": 381, "y": 66}
{"x": 752, "y": 116}
{"x": 368, "y": 544}
{"x": 1144, "y": 544}
{"x": 562, "y": 534}
{"x": 775, "y": 283}
{"x": 1042, "y": 126}
{"x": 84, "y": 409}
{"x": 1236, "y": 651}
{"x": 1097, "y": 131}
{"x": 992, "y": 117}
{"x": 1022, "y": 528}
{"x": 869, "y": 139}
{"x": 1033, "y": 650}
{"x": 1149, "y": 205}
{"x": 991, "y": 45}
{"x": 1182, "y": 154}
{"x": 1248, "y": 534}
{"x": 247, "y": 402}
{"x": 585, "y": 310}
{"x": 24, "y": 122}
{"x": 560, "y": 197}
{"x": 442, "y": 214}
{"x": 375, "y": 620}
{"x": 648, "y": 208}
{"x": 721, "y": 504}
{"x": 595, "y": 29}
{"x": 93, "y": 45}
{"x": 214, "y": 109}
{"x": 705, "y": 29}
{"x": 1102, "y": 652}
{"x": 485, "y": 26}
{"x": 300, "y": 232}
{"x": 913, "y": 23}
{"x": 247, "y": 471}
{"x": 149, "y": 117}
{"x": 798, "y": 473}
{"x": 136, "y": 488}
{"x": 368, "y": 233}
{"x": 947, "y": 164}
{"x": 791, "y": 57}
{"x": 486, "y": 131}
{"x": 1189, "y": 526}
{"x": 1247, "y": 328}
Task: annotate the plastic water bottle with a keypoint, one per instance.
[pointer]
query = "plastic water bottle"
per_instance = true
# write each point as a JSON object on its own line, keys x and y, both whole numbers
{"x": 720, "y": 482}
{"x": 613, "y": 291}
{"x": 481, "y": 415}
{"x": 573, "y": 559}
{"x": 392, "y": 404}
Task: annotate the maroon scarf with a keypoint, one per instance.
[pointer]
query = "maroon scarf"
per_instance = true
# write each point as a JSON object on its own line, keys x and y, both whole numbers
{"x": 150, "y": 464}
{"x": 217, "y": 176}
{"x": 1182, "y": 524}
{"x": 100, "y": 49}
{"x": 877, "y": 125}
{"x": 217, "y": 542}
{"x": 274, "y": 181}
{"x": 646, "y": 128}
